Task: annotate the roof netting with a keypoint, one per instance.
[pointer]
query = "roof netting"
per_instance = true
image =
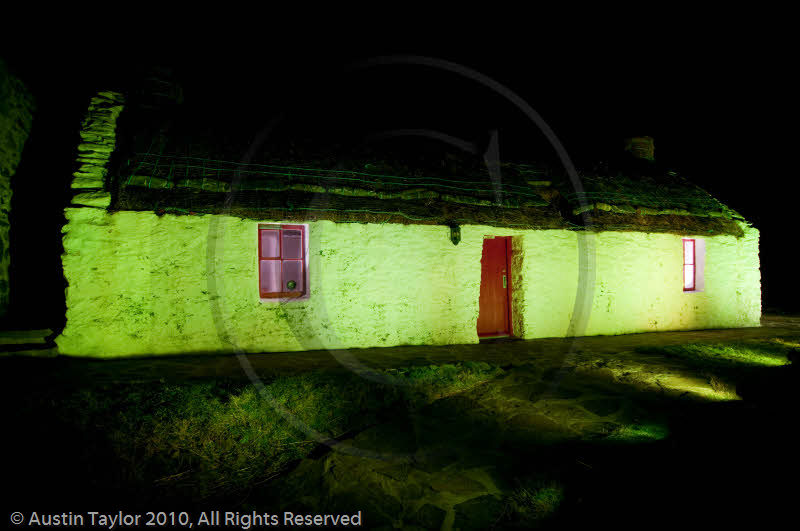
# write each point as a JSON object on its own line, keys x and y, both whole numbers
{"x": 508, "y": 188}
{"x": 656, "y": 192}
{"x": 513, "y": 195}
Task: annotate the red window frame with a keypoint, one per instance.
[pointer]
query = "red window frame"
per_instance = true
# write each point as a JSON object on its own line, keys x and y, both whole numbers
{"x": 283, "y": 294}
{"x": 693, "y": 264}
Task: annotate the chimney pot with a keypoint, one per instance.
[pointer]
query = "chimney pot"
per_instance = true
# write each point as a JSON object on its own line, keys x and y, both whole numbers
{"x": 641, "y": 147}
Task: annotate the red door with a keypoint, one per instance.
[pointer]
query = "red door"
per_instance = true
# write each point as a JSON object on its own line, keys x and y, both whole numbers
{"x": 494, "y": 318}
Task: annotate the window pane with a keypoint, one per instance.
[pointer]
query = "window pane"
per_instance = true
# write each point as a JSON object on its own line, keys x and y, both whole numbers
{"x": 688, "y": 277}
{"x": 269, "y": 244}
{"x": 293, "y": 272}
{"x": 292, "y": 244}
{"x": 270, "y": 275}
{"x": 688, "y": 251}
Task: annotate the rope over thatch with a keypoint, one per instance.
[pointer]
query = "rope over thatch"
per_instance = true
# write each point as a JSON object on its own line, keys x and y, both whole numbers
{"x": 522, "y": 198}
{"x": 300, "y": 206}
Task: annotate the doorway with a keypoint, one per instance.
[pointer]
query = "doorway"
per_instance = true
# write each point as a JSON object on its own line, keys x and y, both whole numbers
{"x": 494, "y": 317}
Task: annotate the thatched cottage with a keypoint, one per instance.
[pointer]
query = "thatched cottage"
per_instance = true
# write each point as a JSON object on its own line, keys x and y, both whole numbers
{"x": 167, "y": 254}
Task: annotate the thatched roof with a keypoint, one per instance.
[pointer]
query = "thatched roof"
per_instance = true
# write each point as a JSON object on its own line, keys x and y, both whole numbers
{"x": 456, "y": 191}
{"x": 654, "y": 202}
{"x": 171, "y": 159}
{"x": 373, "y": 193}
{"x": 294, "y": 205}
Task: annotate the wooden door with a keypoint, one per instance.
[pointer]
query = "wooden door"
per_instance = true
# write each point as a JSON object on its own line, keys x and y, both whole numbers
{"x": 494, "y": 318}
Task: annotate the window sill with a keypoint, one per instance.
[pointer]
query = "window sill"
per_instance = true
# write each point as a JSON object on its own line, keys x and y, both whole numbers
{"x": 284, "y": 295}
{"x": 268, "y": 300}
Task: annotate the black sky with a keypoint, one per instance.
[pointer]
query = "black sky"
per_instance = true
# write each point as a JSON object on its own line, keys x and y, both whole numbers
{"x": 718, "y": 106}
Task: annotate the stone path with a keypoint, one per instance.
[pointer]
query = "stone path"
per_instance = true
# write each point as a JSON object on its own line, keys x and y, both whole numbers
{"x": 451, "y": 464}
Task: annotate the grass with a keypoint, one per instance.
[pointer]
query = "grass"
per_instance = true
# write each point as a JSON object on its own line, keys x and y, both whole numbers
{"x": 786, "y": 342}
{"x": 728, "y": 355}
{"x": 639, "y": 433}
{"x": 725, "y": 365}
{"x": 533, "y": 502}
{"x": 216, "y": 439}
{"x": 723, "y": 388}
{"x": 211, "y": 442}
{"x": 438, "y": 381}
{"x": 702, "y": 371}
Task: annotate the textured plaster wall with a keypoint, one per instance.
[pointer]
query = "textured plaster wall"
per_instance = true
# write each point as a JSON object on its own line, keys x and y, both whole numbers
{"x": 138, "y": 284}
{"x": 545, "y": 280}
{"x": 639, "y": 284}
{"x": 16, "y": 117}
{"x": 144, "y": 284}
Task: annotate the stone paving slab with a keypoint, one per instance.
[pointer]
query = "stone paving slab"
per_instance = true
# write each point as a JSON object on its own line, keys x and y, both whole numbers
{"x": 450, "y": 464}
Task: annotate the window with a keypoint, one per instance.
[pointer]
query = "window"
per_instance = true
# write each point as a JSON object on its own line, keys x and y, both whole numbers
{"x": 282, "y": 265}
{"x": 689, "y": 266}
{"x": 694, "y": 264}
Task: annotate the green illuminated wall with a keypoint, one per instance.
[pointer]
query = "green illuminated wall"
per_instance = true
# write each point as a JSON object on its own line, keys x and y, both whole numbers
{"x": 639, "y": 284}
{"x": 16, "y": 118}
{"x": 139, "y": 284}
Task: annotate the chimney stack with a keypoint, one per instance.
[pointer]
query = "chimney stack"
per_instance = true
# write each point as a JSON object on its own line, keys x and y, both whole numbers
{"x": 641, "y": 147}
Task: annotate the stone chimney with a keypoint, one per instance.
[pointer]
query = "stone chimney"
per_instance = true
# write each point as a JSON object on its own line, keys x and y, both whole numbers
{"x": 641, "y": 147}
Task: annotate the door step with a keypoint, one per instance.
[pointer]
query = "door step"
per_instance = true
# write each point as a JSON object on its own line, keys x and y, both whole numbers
{"x": 24, "y": 337}
{"x": 38, "y": 343}
{"x": 498, "y": 339}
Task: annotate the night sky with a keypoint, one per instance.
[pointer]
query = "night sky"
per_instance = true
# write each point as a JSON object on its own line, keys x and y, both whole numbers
{"x": 716, "y": 107}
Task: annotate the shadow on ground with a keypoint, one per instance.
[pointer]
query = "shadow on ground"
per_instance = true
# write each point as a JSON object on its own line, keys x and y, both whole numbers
{"x": 629, "y": 439}
{"x": 626, "y": 453}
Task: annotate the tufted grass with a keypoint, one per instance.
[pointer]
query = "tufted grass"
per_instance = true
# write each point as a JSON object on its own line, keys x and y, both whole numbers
{"x": 726, "y": 365}
{"x": 533, "y": 503}
{"x": 208, "y": 440}
{"x": 642, "y": 432}
{"x": 438, "y": 381}
{"x": 733, "y": 355}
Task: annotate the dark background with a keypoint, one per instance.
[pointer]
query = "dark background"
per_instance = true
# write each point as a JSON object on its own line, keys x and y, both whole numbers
{"x": 717, "y": 106}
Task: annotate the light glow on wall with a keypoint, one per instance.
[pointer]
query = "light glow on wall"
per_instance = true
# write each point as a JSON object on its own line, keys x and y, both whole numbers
{"x": 138, "y": 285}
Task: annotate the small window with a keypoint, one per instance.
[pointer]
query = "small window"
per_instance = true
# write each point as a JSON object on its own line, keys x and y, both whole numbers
{"x": 282, "y": 261}
{"x": 689, "y": 266}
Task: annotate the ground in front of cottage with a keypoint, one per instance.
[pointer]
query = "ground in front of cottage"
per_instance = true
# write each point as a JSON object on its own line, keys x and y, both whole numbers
{"x": 637, "y": 431}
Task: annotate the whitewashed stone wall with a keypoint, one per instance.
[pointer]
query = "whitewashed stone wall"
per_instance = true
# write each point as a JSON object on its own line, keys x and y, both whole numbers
{"x": 98, "y": 140}
{"x": 16, "y": 118}
{"x": 639, "y": 284}
{"x": 142, "y": 284}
